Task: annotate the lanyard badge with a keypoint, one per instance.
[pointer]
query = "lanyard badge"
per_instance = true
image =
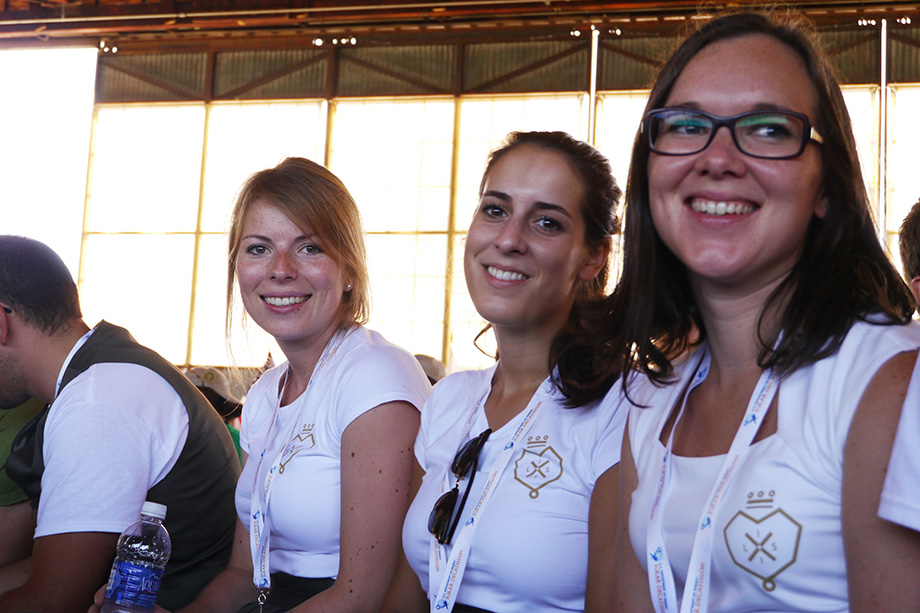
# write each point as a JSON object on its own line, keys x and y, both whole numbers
{"x": 660, "y": 575}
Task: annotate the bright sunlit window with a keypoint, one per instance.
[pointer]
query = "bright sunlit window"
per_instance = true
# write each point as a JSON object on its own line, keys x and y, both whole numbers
{"x": 140, "y": 211}
{"x": 903, "y": 178}
{"x": 47, "y": 104}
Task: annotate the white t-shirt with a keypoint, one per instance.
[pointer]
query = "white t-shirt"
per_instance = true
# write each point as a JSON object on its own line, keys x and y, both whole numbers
{"x": 305, "y": 504}
{"x": 900, "y": 502}
{"x": 779, "y": 543}
{"x": 112, "y": 433}
{"x": 530, "y": 549}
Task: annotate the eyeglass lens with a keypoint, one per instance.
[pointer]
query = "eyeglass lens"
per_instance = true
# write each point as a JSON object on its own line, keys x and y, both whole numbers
{"x": 467, "y": 457}
{"x": 768, "y": 134}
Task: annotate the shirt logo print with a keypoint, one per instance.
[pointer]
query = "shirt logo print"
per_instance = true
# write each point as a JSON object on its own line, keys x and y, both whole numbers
{"x": 538, "y": 465}
{"x": 763, "y": 542}
{"x": 300, "y": 442}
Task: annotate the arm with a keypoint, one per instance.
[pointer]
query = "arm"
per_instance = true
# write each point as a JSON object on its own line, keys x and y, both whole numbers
{"x": 630, "y": 579}
{"x": 17, "y": 527}
{"x": 14, "y": 574}
{"x": 406, "y": 594}
{"x": 66, "y": 571}
{"x": 602, "y": 540}
{"x": 883, "y": 559}
{"x": 376, "y": 473}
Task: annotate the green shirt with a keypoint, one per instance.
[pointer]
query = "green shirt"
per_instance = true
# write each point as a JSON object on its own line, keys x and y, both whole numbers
{"x": 11, "y": 422}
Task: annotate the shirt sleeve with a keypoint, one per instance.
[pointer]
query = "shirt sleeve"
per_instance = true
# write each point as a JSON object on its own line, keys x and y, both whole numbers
{"x": 611, "y": 422}
{"x": 900, "y": 501}
{"x": 103, "y": 452}
{"x": 376, "y": 377}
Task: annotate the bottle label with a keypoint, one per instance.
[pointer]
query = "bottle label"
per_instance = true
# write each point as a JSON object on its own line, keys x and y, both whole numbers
{"x": 133, "y": 584}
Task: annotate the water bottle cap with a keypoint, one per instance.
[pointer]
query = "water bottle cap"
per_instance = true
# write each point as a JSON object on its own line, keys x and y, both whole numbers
{"x": 154, "y": 509}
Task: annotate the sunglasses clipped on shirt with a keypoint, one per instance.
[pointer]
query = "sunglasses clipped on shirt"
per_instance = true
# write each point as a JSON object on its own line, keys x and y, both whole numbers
{"x": 467, "y": 457}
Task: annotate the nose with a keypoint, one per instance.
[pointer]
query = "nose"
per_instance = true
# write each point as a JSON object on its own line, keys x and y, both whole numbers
{"x": 721, "y": 156}
{"x": 283, "y": 267}
{"x": 511, "y": 237}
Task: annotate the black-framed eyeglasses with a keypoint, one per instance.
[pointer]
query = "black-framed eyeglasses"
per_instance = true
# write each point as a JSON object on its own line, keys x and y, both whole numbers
{"x": 768, "y": 134}
{"x": 467, "y": 457}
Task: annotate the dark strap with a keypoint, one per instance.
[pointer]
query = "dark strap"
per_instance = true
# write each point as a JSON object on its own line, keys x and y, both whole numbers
{"x": 25, "y": 463}
{"x": 465, "y": 608}
{"x": 288, "y": 591}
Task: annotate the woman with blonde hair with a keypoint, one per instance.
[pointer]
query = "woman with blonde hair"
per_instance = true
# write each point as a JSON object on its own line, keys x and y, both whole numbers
{"x": 327, "y": 435}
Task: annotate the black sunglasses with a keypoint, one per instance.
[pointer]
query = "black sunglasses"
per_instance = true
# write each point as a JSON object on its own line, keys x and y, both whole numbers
{"x": 467, "y": 457}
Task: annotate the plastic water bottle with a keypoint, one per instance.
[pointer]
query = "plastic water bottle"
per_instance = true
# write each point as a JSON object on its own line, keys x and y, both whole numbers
{"x": 143, "y": 550}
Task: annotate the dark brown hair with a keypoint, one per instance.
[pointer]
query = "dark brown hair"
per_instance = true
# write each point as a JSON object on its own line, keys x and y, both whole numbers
{"x": 36, "y": 284}
{"x": 842, "y": 274}
{"x": 909, "y": 242}
{"x": 579, "y": 375}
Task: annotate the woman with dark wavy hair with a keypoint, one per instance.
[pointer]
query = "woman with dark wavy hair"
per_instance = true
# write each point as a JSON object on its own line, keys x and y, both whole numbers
{"x": 769, "y": 348}
{"x": 514, "y": 459}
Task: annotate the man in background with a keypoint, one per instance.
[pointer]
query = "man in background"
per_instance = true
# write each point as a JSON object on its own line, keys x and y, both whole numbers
{"x": 909, "y": 246}
{"x": 122, "y": 426}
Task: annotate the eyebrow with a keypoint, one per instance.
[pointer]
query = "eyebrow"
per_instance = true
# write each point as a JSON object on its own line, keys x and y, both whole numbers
{"x": 763, "y": 106}
{"x": 539, "y": 205}
{"x": 265, "y": 239}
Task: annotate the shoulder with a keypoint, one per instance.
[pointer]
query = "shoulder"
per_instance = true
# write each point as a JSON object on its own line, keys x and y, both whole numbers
{"x": 267, "y": 382}
{"x": 454, "y": 397}
{"x": 878, "y": 336}
{"x": 262, "y": 395}
{"x": 131, "y": 386}
{"x": 865, "y": 349}
{"x": 463, "y": 384}
{"x": 366, "y": 353}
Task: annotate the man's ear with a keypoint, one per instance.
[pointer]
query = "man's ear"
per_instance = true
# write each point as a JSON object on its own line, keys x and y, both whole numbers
{"x": 915, "y": 288}
{"x": 4, "y": 325}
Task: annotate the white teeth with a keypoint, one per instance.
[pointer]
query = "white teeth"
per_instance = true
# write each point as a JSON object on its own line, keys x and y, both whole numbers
{"x": 711, "y": 207}
{"x": 505, "y": 275}
{"x": 287, "y": 301}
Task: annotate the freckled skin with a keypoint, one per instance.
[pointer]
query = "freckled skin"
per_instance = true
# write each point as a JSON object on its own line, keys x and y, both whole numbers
{"x": 756, "y": 249}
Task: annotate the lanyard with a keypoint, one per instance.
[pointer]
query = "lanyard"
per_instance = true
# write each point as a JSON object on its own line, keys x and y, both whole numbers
{"x": 259, "y": 523}
{"x": 73, "y": 351}
{"x": 660, "y": 576}
{"x": 448, "y": 576}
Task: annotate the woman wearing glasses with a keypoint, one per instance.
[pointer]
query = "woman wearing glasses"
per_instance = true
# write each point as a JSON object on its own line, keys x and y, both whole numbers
{"x": 771, "y": 350}
{"x": 511, "y": 454}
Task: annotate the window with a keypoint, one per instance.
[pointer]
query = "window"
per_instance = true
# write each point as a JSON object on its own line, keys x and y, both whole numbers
{"x": 145, "y": 228}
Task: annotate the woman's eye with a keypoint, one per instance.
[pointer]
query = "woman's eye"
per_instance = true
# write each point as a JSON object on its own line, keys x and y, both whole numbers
{"x": 548, "y": 223}
{"x": 687, "y": 128}
{"x": 772, "y": 131}
{"x": 770, "y": 127}
{"x": 257, "y": 249}
{"x": 492, "y": 210}
{"x": 311, "y": 249}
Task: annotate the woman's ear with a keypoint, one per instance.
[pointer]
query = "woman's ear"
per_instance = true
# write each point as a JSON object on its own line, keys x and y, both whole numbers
{"x": 821, "y": 206}
{"x": 597, "y": 257}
